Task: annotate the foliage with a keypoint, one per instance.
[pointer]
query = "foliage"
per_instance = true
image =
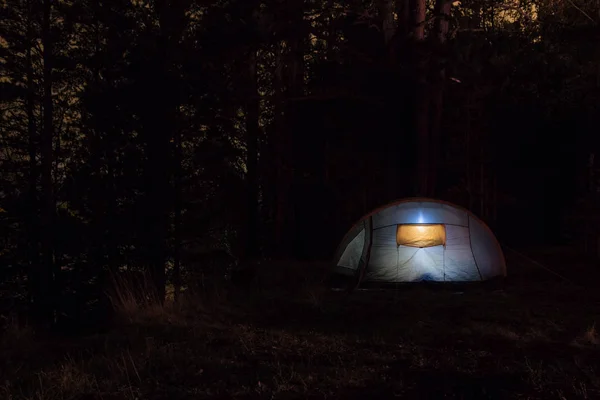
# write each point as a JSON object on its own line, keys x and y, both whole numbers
{"x": 133, "y": 79}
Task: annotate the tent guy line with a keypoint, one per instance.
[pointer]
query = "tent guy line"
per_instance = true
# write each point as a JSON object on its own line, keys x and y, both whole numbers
{"x": 539, "y": 265}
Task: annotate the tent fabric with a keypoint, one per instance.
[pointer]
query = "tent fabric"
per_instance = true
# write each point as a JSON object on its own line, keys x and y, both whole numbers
{"x": 351, "y": 256}
{"x": 383, "y": 260}
{"x": 486, "y": 249}
{"x": 427, "y": 212}
{"x": 420, "y": 240}
{"x": 420, "y": 264}
{"x": 458, "y": 258}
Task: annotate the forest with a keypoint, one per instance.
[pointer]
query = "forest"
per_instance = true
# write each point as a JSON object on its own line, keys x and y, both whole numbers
{"x": 171, "y": 140}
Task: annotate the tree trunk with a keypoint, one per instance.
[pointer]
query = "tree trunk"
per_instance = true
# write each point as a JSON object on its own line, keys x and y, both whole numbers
{"x": 386, "y": 13}
{"x": 421, "y": 98}
{"x": 468, "y": 156}
{"x": 397, "y": 44}
{"x": 156, "y": 203}
{"x": 178, "y": 208}
{"x": 403, "y": 15}
{"x": 419, "y": 11}
{"x": 286, "y": 201}
{"x": 437, "y": 95}
{"x": 280, "y": 139}
{"x": 160, "y": 130}
{"x": 476, "y": 19}
{"x": 494, "y": 216}
{"x": 99, "y": 195}
{"x": 171, "y": 15}
{"x": 295, "y": 90}
{"x": 33, "y": 231}
{"x": 252, "y": 132}
{"x": 47, "y": 298}
{"x": 482, "y": 191}
{"x": 331, "y": 40}
{"x": 178, "y": 156}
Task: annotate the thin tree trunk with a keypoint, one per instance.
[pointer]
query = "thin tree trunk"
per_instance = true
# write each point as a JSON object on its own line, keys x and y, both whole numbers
{"x": 281, "y": 184}
{"x": 56, "y": 243}
{"x": 386, "y": 13}
{"x": 178, "y": 207}
{"x": 437, "y": 95}
{"x": 171, "y": 15}
{"x": 100, "y": 196}
{"x": 468, "y": 156}
{"x": 295, "y": 89}
{"x": 160, "y": 127}
{"x": 177, "y": 217}
{"x": 494, "y": 217}
{"x": 252, "y": 132}
{"x": 47, "y": 298}
{"x": 419, "y": 12}
{"x": 331, "y": 39}
{"x": 156, "y": 204}
{"x": 286, "y": 202}
{"x": 403, "y": 15}
{"x": 421, "y": 98}
{"x": 482, "y": 213}
{"x": 476, "y": 20}
{"x": 397, "y": 44}
{"x": 364, "y": 201}
{"x": 103, "y": 237}
{"x": 33, "y": 232}
{"x": 268, "y": 162}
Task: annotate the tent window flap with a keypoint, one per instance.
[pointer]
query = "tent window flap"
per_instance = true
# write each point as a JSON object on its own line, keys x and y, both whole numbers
{"x": 421, "y": 235}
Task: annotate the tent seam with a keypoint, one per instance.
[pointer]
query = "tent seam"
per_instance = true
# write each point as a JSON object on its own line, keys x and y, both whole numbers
{"x": 471, "y": 247}
{"x": 368, "y": 256}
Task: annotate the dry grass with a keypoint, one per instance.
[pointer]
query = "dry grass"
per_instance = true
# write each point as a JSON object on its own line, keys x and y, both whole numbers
{"x": 589, "y": 337}
{"x": 287, "y": 337}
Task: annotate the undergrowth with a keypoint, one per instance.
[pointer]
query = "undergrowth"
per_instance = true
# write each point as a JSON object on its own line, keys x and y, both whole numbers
{"x": 287, "y": 336}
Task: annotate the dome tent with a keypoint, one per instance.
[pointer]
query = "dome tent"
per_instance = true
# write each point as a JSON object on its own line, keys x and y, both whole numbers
{"x": 420, "y": 239}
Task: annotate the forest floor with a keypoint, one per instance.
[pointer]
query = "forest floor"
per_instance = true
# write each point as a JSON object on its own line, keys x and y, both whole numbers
{"x": 289, "y": 337}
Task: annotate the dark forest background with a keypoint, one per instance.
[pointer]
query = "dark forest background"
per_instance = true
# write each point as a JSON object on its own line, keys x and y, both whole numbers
{"x": 141, "y": 135}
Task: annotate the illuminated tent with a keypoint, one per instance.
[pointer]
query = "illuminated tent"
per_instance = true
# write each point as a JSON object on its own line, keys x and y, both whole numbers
{"x": 420, "y": 240}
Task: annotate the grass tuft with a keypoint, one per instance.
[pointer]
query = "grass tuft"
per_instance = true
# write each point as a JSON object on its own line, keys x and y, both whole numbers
{"x": 589, "y": 337}
{"x": 287, "y": 336}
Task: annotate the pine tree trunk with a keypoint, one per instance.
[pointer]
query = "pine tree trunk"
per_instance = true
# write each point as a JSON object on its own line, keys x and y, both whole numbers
{"x": 47, "y": 298}
{"x": 494, "y": 216}
{"x": 468, "y": 157}
{"x": 171, "y": 14}
{"x": 419, "y": 11}
{"x": 437, "y": 96}
{"x": 482, "y": 190}
{"x": 295, "y": 90}
{"x": 403, "y": 15}
{"x": 178, "y": 209}
{"x": 280, "y": 139}
{"x": 178, "y": 156}
{"x": 99, "y": 195}
{"x": 285, "y": 224}
{"x": 421, "y": 98}
{"x": 331, "y": 33}
{"x": 33, "y": 230}
{"x": 386, "y": 13}
{"x": 252, "y": 132}
{"x": 160, "y": 130}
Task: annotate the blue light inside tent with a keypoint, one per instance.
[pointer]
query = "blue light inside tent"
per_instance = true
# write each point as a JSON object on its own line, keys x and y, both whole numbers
{"x": 421, "y": 220}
